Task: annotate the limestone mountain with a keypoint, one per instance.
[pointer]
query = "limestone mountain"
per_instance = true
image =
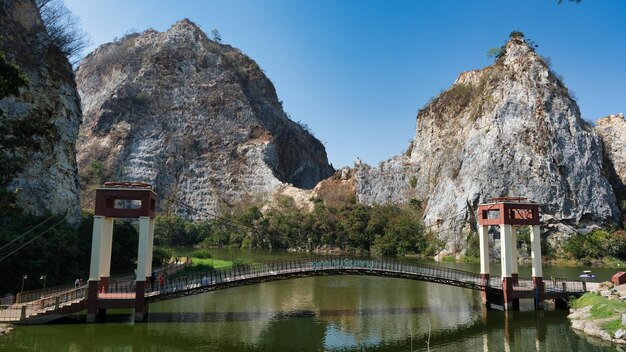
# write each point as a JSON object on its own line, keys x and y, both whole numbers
{"x": 612, "y": 131}
{"x": 198, "y": 119}
{"x": 510, "y": 129}
{"x": 49, "y": 105}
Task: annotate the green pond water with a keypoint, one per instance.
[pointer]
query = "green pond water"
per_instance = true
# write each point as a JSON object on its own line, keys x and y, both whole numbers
{"x": 331, "y": 313}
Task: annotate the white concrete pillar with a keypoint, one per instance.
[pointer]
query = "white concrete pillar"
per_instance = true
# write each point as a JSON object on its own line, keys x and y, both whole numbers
{"x": 483, "y": 237}
{"x": 96, "y": 247}
{"x": 535, "y": 250}
{"x": 144, "y": 248}
{"x": 505, "y": 250}
{"x": 151, "y": 249}
{"x": 514, "y": 258}
{"x": 107, "y": 245}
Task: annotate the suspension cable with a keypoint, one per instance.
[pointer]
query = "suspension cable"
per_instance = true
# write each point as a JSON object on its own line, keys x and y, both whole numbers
{"x": 27, "y": 232}
{"x": 36, "y": 237}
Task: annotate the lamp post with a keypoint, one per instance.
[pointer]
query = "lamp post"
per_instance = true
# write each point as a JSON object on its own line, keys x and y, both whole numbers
{"x": 24, "y": 277}
{"x": 43, "y": 277}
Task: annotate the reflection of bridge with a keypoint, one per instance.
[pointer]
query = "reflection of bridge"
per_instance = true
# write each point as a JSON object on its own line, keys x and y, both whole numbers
{"x": 123, "y": 294}
{"x": 497, "y": 328}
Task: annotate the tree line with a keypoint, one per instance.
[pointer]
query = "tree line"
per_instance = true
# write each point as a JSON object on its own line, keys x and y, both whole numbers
{"x": 356, "y": 228}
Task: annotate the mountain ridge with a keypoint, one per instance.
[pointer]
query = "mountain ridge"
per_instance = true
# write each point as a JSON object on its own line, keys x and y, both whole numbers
{"x": 510, "y": 129}
{"x": 195, "y": 117}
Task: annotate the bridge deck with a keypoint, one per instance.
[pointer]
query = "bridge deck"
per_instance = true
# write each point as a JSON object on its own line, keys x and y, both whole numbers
{"x": 118, "y": 293}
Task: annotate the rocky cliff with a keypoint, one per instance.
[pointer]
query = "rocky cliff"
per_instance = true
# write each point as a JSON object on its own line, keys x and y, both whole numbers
{"x": 49, "y": 179}
{"x": 198, "y": 119}
{"x": 612, "y": 131}
{"x": 510, "y": 129}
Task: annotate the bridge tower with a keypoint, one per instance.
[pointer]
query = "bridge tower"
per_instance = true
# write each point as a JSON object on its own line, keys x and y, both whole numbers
{"x": 509, "y": 213}
{"x": 120, "y": 200}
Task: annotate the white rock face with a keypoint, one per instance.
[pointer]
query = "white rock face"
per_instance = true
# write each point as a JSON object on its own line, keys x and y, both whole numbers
{"x": 612, "y": 131}
{"x": 49, "y": 180}
{"x": 196, "y": 118}
{"x": 510, "y": 129}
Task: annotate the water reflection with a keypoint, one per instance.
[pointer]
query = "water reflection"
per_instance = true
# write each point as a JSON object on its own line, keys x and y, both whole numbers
{"x": 337, "y": 313}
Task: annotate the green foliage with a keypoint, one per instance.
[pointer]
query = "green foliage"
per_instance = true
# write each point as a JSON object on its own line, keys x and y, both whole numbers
{"x": 448, "y": 259}
{"x": 62, "y": 254}
{"x": 241, "y": 262}
{"x": 523, "y": 236}
{"x": 202, "y": 266}
{"x": 416, "y": 204}
{"x": 612, "y": 326}
{"x": 97, "y": 168}
{"x": 202, "y": 254}
{"x": 432, "y": 244}
{"x": 516, "y": 34}
{"x": 11, "y": 78}
{"x": 172, "y": 230}
{"x": 598, "y": 244}
{"x": 495, "y": 53}
{"x": 601, "y": 308}
{"x": 160, "y": 256}
{"x": 413, "y": 182}
{"x": 473, "y": 245}
{"x": 140, "y": 98}
{"x": 547, "y": 252}
{"x": 459, "y": 96}
{"x": 378, "y": 229}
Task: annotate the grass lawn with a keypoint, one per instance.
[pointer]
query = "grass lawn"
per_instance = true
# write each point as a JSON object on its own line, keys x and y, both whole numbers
{"x": 201, "y": 266}
{"x": 601, "y": 308}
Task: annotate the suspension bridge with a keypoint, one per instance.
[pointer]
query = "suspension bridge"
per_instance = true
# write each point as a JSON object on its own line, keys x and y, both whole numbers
{"x": 122, "y": 294}
{"x": 113, "y": 199}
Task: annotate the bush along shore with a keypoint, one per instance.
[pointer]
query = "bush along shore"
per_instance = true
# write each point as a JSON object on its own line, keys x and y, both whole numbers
{"x": 601, "y": 313}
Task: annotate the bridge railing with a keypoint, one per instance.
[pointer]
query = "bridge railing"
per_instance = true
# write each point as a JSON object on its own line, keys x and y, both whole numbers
{"x": 553, "y": 284}
{"x": 21, "y": 311}
{"x": 121, "y": 287}
{"x": 32, "y": 295}
{"x": 244, "y": 272}
{"x": 556, "y": 284}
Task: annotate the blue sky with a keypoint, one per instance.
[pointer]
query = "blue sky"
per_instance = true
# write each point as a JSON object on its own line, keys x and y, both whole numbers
{"x": 357, "y": 72}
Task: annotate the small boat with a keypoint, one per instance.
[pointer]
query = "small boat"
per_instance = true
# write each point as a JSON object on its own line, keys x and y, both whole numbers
{"x": 587, "y": 275}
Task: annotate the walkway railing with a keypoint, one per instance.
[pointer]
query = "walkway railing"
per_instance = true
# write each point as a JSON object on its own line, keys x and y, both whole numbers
{"x": 551, "y": 285}
{"x": 43, "y": 305}
{"x": 563, "y": 285}
{"x": 256, "y": 273}
{"x": 28, "y": 296}
{"x": 293, "y": 268}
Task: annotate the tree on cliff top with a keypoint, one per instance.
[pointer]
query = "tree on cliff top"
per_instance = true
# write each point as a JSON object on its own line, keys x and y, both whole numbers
{"x": 64, "y": 28}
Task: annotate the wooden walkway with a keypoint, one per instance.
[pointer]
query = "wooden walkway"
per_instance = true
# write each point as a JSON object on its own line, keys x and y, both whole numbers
{"x": 61, "y": 304}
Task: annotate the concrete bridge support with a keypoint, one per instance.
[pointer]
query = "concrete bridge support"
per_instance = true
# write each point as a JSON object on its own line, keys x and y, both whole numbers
{"x": 483, "y": 237}
{"x": 507, "y": 213}
{"x": 113, "y": 201}
{"x": 537, "y": 270}
{"x": 100, "y": 266}
{"x": 144, "y": 265}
